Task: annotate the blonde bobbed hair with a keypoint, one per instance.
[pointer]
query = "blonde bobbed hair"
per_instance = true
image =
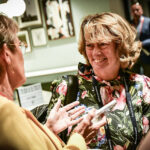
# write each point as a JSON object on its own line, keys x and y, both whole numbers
{"x": 110, "y": 27}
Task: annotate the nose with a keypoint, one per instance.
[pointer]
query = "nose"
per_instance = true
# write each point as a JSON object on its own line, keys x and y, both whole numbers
{"x": 135, "y": 12}
{"x": 97, "y": 50}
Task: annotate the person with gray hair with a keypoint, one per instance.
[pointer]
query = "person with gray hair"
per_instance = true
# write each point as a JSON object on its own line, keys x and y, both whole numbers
{"x": 19, "y": 129}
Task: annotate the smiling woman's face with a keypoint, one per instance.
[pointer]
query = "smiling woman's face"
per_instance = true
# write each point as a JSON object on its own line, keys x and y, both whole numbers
{"x": 103, "y": 58}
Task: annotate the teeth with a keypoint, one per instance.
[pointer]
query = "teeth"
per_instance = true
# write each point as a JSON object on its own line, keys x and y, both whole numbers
{"x": 99, "y": 60}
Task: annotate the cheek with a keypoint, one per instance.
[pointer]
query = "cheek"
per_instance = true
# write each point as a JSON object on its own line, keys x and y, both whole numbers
{"x": 113, "y": 55}
{"x": 88, "y": 54}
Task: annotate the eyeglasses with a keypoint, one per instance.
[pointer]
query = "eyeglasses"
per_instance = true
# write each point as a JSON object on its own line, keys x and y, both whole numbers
{"x": 22, "y": 46}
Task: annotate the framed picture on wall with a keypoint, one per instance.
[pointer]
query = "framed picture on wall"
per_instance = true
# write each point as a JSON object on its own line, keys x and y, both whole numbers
{"x": 58, "y": 18}
{"x": 38, "y": 36}
{"x": 24, "y": 37}
{"x": 32, "y": 15}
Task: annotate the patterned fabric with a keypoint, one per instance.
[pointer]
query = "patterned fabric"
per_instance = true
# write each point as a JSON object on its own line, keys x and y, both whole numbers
{"x": 120, "y": 125}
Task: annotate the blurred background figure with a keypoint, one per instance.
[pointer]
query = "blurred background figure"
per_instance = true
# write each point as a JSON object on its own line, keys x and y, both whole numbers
{"x": 142, "y": 24}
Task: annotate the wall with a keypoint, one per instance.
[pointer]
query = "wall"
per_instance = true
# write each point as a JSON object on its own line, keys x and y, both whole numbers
{"x": 63, "y": 52}
{"x": 116, "y": 6}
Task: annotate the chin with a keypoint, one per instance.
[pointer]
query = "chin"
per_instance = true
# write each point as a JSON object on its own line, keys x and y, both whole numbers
{"x": 23, "y": 81}
{"x": 20, "y": 83}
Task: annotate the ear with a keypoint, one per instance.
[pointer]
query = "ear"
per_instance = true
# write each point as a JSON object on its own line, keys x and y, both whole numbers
{"x": 6, "y": 54}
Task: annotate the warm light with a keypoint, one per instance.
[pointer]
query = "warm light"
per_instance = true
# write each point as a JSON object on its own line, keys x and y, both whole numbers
{"x": 13, "y": 8}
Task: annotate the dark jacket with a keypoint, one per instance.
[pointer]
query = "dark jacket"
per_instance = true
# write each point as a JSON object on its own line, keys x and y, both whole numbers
{"x": 145, "y": 39}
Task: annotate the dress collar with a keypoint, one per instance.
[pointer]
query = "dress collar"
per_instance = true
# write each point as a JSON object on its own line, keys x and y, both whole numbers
{"x": 86, "y": 72}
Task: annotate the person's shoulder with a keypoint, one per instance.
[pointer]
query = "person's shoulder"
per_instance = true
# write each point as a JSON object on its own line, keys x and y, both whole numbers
{"x": 7, "y": 106}
{"x": 5, "y": 102}
{"x": 139, "y": 78}
{"x": 146, "y": 18}
{"x": 63, "y": 82}
{"x": 64, "y": 78}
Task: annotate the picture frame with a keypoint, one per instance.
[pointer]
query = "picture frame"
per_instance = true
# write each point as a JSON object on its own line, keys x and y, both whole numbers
{"x": 31, "y": 16}
{"x": 24, "y": 37}
{"x": 38, "y": 37}
{"x": 58, "y": 18}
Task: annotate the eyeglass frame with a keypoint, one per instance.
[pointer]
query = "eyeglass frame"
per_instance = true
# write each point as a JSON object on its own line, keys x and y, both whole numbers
{"x": 22, "y": 46}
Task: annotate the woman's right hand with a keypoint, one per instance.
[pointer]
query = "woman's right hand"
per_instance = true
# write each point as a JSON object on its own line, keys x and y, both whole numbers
{"x": 87, "y": 129}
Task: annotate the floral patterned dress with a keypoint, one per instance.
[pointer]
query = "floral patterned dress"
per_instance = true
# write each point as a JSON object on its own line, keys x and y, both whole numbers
{"x": 120, "y": 125}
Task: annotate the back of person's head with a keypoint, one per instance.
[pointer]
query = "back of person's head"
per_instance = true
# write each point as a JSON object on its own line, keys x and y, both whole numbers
{"x": 110, "y": 27}
{"x": 8, "y": 31}
{"x": 136, "y": 10}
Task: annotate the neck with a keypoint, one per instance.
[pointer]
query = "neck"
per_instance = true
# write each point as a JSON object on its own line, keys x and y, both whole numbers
{"x": 6, "y": 89}
{"x": 136, "y": 20}
{"x": 7, "y": 93}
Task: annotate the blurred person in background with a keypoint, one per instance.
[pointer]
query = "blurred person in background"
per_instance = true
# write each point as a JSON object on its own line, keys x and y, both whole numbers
{"x": 142, "y": 24}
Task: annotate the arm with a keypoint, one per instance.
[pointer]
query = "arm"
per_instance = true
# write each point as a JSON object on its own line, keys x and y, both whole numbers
{"x": 20, "y": 133}
{"x": 76, "y": 142}
{"x": 16, "y": 132}
{"x": 145, "y": 144}
{"x": 146, "y": 43}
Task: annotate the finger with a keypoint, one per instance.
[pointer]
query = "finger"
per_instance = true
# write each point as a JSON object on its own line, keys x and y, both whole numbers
{"x": 57, "y": 105}
{"x": 71, "y": 105}
{"x": 88, "y": 142}
{"x": 90, "y": 115}
{"x": 74, "y": 113}
{"x": 100, "y": 123}
{"x": 85, "y": 123}
{"x": 75, "y": 116}
{"x": 80, "y": 127}
{"x": 74, "y": 122}
{"x": 91, "y": 135}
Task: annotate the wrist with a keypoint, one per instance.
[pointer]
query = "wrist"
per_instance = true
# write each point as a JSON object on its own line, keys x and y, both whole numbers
{"x": 49, "y": 126}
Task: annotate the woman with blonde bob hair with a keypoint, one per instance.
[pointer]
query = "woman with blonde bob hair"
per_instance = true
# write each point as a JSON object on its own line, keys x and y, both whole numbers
{"x": 109, "y": 27}
{"x": 108, "y": 43}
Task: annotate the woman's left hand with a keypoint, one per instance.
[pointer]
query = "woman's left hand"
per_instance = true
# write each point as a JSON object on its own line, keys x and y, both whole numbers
{"x": 87, "y": 128}
{"x": 61, "y": 118}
